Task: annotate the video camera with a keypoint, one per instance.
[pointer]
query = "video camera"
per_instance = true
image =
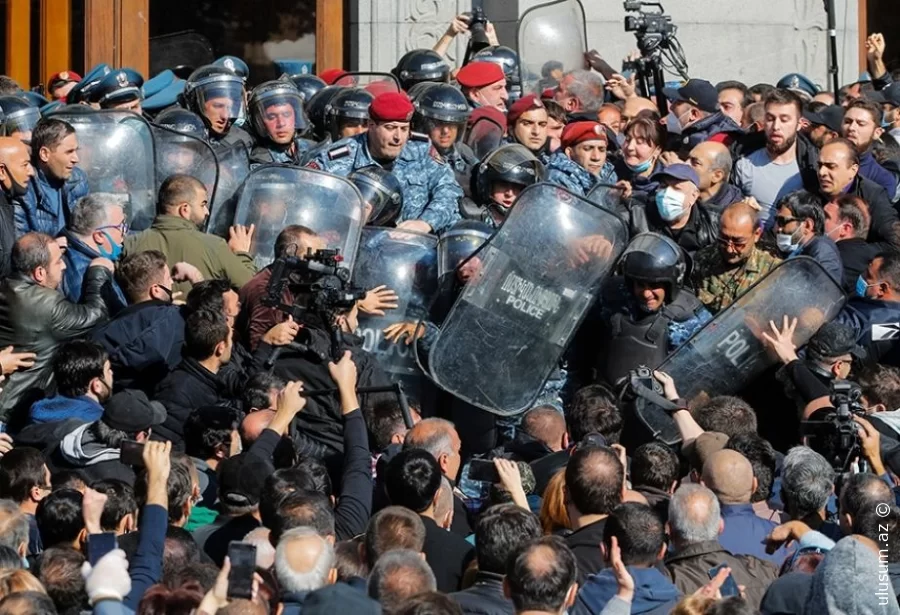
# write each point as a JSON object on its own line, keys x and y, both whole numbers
{"x": 659, "y": 47}
{"x": 647, "y": 413}
{"x": 836, "y": 437}
{"x": 645, "y": 22}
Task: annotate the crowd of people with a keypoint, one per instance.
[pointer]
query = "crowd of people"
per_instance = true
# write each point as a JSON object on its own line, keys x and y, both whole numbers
{"x": 195, "y": 417}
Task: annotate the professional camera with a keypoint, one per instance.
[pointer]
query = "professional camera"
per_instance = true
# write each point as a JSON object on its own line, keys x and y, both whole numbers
{"x": 647, "y": 412}
{"x": 836, "y": 435}
{"x": 646, "y": 22}
{"x": 319, "y": 278}
{"x": 659, "y": 47}
{"x": 478, "y": 30}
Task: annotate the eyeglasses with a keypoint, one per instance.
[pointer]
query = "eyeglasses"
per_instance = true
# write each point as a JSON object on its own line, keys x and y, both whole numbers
{"x": 784, "y": 221}
{"x": 734, "y": 243}
{"x": 122, "y": 228}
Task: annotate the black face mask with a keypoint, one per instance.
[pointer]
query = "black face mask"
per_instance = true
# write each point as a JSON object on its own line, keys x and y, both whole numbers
{"x": 16, "y": 189}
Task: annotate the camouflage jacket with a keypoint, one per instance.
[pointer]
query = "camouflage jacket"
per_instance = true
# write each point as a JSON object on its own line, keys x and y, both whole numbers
{"x": 718, "y": 285}
{"x": 569, "y": 174}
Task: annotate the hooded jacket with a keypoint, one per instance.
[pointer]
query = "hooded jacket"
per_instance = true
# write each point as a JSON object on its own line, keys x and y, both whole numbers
{"x": 80, "y": 450}
{"x": 60, "y": 408}
{"x": 653, "y": 592}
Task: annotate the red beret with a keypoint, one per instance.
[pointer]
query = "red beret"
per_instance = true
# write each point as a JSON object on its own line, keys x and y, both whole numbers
{"x": 479, "y": 74}
{"x": 523, "y": 105}
{"x": 330, "y": 75}
{"x": 391, "y": 107}
{"x": 548, "y": 93}
{"x": 490, "y": 113}
{"x": 579, "y": 132}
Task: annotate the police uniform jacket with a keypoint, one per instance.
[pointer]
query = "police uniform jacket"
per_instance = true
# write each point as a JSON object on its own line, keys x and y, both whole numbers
{"x": 569, "y": 174}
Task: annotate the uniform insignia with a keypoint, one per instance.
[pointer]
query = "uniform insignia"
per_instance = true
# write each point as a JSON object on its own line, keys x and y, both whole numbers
{"x": 795, "y": 82}
{"x": 432, "y": 151}
{"x": 419, "y": 136}
{"x": 313, "y": 165}
{"x": 64, "y": 75}
{"x": 122, "y": 79}
{"x": 229, "y": 63}
{"x": 339, "y": 152}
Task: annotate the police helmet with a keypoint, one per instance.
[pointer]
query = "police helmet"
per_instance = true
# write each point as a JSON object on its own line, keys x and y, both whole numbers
{"x": 183, "y": 121}
{"x": 209, "y": 83}
{"x": 421, "y": 65}
{"x": 504, "y": 57}
{"x": 20, "y": 115}
{"x": 651, "y": 257}
{"x": 441, "y": 103}
{"x": 118, "y": 87}
{"x": 308, "y": 85}
{"x": 513, "y": 164}
{"x": 270, "y": 94}
{"x": 234, "y": 65}
{"x": 418, "y": 90}
{"x": 316, "y": 106}
{"x": 460, "y": 242}
{"x": 381, "y": 191}
{"x": 351, "y": 104}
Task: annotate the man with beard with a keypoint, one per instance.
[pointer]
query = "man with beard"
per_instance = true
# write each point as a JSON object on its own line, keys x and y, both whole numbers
{"x": 862, "y": 126}
{"x": 15, "y": 173}
{"x": 825, "y": 125}
{"x": 183, "y": 210}
{"x": 889, "y": 98}
{"x": 84, "y": 381}
{"x": 774, "y": 171}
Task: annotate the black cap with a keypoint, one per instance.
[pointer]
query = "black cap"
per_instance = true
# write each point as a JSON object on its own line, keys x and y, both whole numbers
{"x": 889, "y": 95}
{"x": 698, "y": 92}
{"x": 834, "y": 339}
{"x": 338, "y": 598}
{"x": 241, "y": 479}
{"x": 832, "y": 117}
{"x": 132, "y": 412}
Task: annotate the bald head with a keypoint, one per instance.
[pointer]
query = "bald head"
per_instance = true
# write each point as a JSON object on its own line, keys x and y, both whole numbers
{"x": 547, "y": 425}
{"x": 438, "y": 437}
{"x": 730, "y": 476}
{"x": 633, "y": 106}
{"x": 712, "y": 162}
{"x": 694, "y": 515}
{"x": 15, "y": 166}
{"x": 304, "y": 561}
{"x": 254, "y": 424}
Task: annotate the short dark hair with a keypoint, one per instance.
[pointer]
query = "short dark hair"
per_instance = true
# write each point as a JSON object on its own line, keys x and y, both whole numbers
{"x": 21, "y": 469}
{"x": 203, "y": 331}
{"x": 726, "y": 414}
{"x": 180, "y": 486}
{"x": 556, "y": 111}
{"x": 889, "y": 269}
{"x": 805, "y": 205}
{"x": 880, "y": 384}
{"x": 120, "y": 501}
{"x": 61, "y": 575}
{"x": 59, "y": 517}
{"x": 430, "y": 603}
{"x": 863, "y": 492}
{"x": 312, "y": 475}
{"x": 594, "y": 410}
{"x": 385, "y": 418}
{"x": 393, "y": 527}
{"x": 256, "y": 391}
{"x": 205, "y": 431}
{"x": 760, "y": 89}
{"x": 67, "y": 479}
{"x": 31, "y": 250}
{"x": 290, "y": 236}
{"x": 639, "y": 531}
{"x": 594, "y": 479}
{"x": 302, "y": 509}
{"x": 277, "y": 486}
{"x": 75, "y": 364}
{"x": 874, "y": 109}
{"x": 849, "y": 147}
{"x": 854, "y": 210}
{"x": 736, "y": 85}
{"x": 49, "y": 133}
{"x": 180, "y": 550}
{"x": 783, "y": 97}
{"x": 502, "y": 530}
{"x": 208, "y": 295}
{"x": 412, "y": 479}
{"x": 137, "y": 272}
{"x": 763, "y": 459}
{"x": 654, "y": 465}
{"x": 177, "y": 189}
{"x": 647, "y": 128}
{"x": 540, "y": 575}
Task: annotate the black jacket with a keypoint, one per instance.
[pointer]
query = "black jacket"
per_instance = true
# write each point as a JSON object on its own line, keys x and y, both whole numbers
{"x": 856, "y": 254}
{"x": 546, "y": 468}
{"x": 727, "y": 194}
{"x": 7, "y": 235}
{"x": 354, "y": 505}
{"x": 881, "y": 211}
{"x": 807, "y": 156}
{"x": 700, "y": 231}
{"x": 701, "y": 131}
{"x": 447, "y": 554}
{"x": 484, "y": 597}
{"x": 585, "y": 544}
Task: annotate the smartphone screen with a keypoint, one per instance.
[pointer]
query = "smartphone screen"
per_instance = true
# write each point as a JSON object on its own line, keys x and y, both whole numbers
{"x": 243, "y": 565}
{"x": 99, "y": 545}
{"x": 729, "y": 587}
{"x": 483, "y": 470}
{"x": 131, "y": 453}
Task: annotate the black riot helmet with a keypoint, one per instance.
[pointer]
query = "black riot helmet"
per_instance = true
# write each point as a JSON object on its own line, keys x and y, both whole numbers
{"x": 416, "y": 91}
{"x": 308, "y": 85}
{"x": 381, "y": 192}
{"x": 421, "y": 65}
{"x": 654, "y": 258}
{"x": 315, "y": 109}
{"x": 459, "y": 243}
{"x": 513, "y": 164}
{"x": 508, "y": 60}
{"x": 19, "y": 115}
{"x": 276, "y": 112}
{"x": 215, "y": 92}
{"x": 183, "y": 121}
{"x": 441, "y": 104}
{"x": 349, "y": 106}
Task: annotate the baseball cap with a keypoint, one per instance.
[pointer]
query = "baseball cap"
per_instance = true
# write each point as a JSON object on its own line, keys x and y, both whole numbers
{"x": 241, "y": 479}
{"x": 698, "y": 92}
{"x": 832, "y": 117}
{"x": 834, "y": 339}
{"x": 683, "y": 172}
{"x": 132, "y": 412}
{"x": 889, "y": 95}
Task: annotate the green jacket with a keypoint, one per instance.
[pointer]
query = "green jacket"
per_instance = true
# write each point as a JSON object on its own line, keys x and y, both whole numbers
{"x": 180, "y": 241}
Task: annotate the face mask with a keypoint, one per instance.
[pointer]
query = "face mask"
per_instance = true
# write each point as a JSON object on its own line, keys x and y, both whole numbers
{"x": 116, "y": 249}
{"x": 640, "y": 167}
{"x": 785, "y": 242}
{"x": 861, "y": 287}
{"x": 16, "y": 189}
{"x": 673, "y": 124}
{"x": 670, "y": 204}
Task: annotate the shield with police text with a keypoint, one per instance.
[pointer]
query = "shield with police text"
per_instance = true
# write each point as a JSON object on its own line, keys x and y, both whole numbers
{"x": 234, "y": 166}
{"x": 552, "y": 37}
{"x": 405, "y": 262}
{"x": 115, "y": 150}
{"x": 179, "y": 153}
{"x": 275, "y": 196}
{"x": 730, "y": 351}
{"x": 530, "y": 287}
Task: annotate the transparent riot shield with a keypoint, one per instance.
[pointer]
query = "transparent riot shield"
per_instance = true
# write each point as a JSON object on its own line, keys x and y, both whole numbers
{"x": 535, "y": 280}
{"x": 234, "y": 166}
{"x": 275, "y": 196}
{"x": 405, "y": 262}
{"x": 374, "y": 83}
{"x": 550, "y": 32}
{"x": 179, "y": 153}
{"x": 609, "y": 197}
{"x": 182, "y": 52}
{"x": 115, "y": 150}
{"x": 484, "y": 136}
{"x": 729, "y": 351}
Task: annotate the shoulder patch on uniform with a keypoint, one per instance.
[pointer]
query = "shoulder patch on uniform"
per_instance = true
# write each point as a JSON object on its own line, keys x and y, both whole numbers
{"x": 338, "y": 152}
{"x": 432, "y": 151}
{"x": 313, "y": 165}
{"x": 419, "y": 136}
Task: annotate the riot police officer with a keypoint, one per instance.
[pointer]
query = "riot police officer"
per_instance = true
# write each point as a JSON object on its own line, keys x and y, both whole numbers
{"x": 527, "y": 122}
{"x": 217, "y": 95}
{"x": 120, "y": 90}
{"x": 308, "y": 85}
{"x": 381, "y": 193}
{"x": 441, "y": 113}
{"x": 234, "y": 65}
{"x": 277, "y": 117}
{"x": 581, "y": 162}
{"x": 347, "y": 114}
{"x": 499, "y": 179}
{"x": 315, "y": 111}
{"x": 20, "y": 117}
{"x": 508, "y": 60}
{"x": 647, "y": 312}
{"x": 421, "y": 65}
{"x": 183, "y": 121}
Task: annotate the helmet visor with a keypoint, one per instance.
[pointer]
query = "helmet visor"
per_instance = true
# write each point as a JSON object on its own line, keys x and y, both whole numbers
{"x": 221, "y": 101}
{"x": 279, "y": 116}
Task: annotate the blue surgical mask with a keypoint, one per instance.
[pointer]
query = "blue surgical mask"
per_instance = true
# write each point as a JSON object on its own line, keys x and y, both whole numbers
{"x": 116, "y": 249}
{"x": 786, "y": 242}
{"x": 641, "y": 167}
{"x": 670, "y": 204}
{"x": 861, "y": 286}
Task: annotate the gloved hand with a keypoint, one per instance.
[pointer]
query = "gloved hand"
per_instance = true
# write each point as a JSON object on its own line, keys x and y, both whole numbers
{"x": 109, "y": 579}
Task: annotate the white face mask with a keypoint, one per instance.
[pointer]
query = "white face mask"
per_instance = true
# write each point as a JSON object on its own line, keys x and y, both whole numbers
{"x": 670, "y": 203}
{"x": 785, "y": 242}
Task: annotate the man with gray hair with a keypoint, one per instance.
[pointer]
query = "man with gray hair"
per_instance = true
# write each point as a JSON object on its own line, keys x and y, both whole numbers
{"x": 807, "y": 482}
{"x": 694, "y": 527}
{"x": 712, "y": 162}
{"x": 14, "y": 528}
{"x": 97, "y": 229}
{"x": 304, "y": 562}
{"x": 580, "y": 90}
{"x": 397, "y": 576}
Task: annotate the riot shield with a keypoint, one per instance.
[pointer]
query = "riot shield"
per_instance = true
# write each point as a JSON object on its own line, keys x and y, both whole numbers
{"x": 552, "y": 31}
{"x": 374, "y": 83}
{"x": 177, "y": 152}
{"x": 405, "y": 262}
{"x": 275, "y": 196}
{"x": 484, "y": 136}
{"x": 182, "y": 52}
{"x": 115, "y": 150}
{"x": 536, "y": 279}
{"x": 234, "y": 166}
{"x": 729, "y": 351}
{"x": 609, "y": 197}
